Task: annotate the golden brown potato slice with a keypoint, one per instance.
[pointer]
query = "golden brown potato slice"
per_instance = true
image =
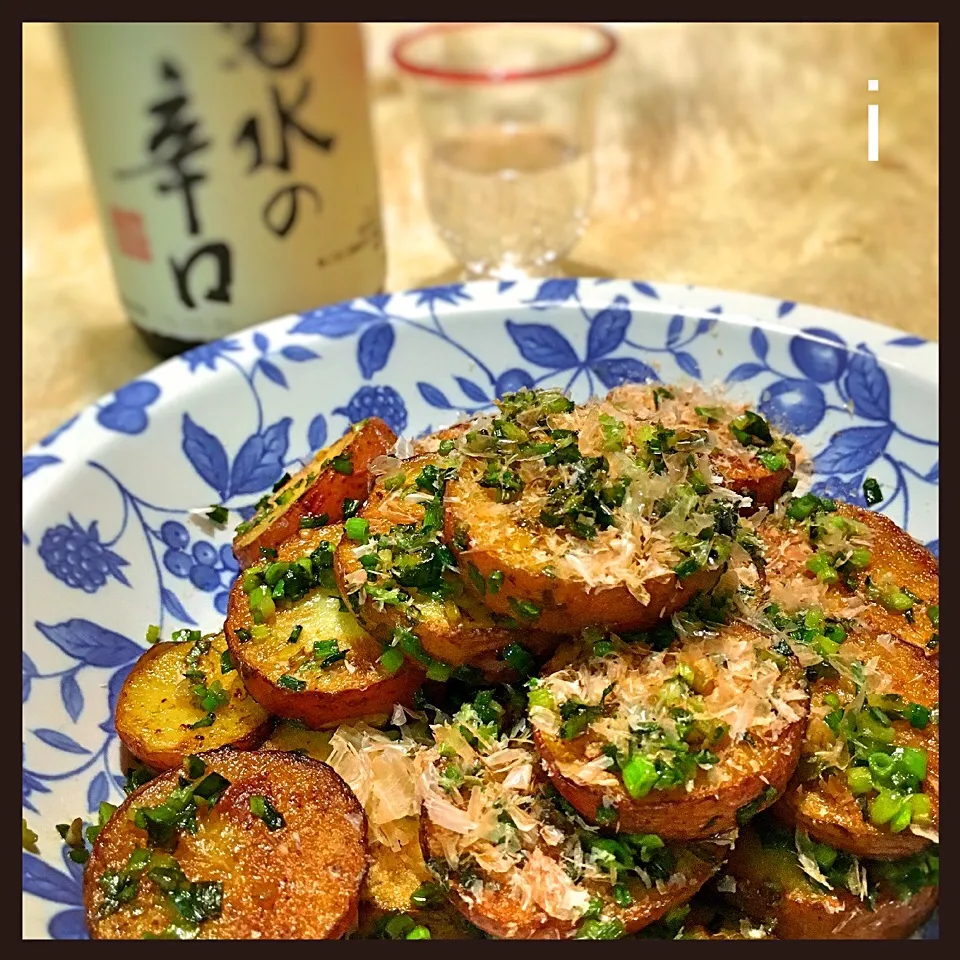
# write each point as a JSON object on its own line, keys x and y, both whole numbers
{"x": 310, "y": 660}
{"x": 159, "y": 716}
{"x": 504, "y": 547}
{"x": 525, "y": 908}
{"x": 340, "y": 472}
{"x": 743, "y": 713}
{"x": 741, "y": 466}
{"x": 457, "y": 630}
{"x": 280, "y": 855}
{"x": 824, "y": 804}
{"x": 898, "y": 561}
{"x": 517, "y": 862}
{"x": 291, "y": 736}
{"x": 765, "y": 879}
{"x": 897, "y": 592}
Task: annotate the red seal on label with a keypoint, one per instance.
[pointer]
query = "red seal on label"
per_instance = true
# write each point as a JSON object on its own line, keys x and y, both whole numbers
{"x": 131, "y": 237}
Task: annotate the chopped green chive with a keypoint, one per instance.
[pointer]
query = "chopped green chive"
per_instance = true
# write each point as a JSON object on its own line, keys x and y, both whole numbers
{"x": 291, "y": 683}
{"x": 391, "y": 660}
{"x": 328, "y": 652}
{"x": 350, "y": 507}
{"x": 524, "y": 608}
{"x": 519, "y": 659}
{"x": 495, "y": 581}
{"x": 446, "y": 446}
{"x": 206, "y": 721}
{"x": 343, "y": 464}
{"x": 226, "y": 663}
{"x": 311, "y": 523}
{"x": 218, "y": 514}
{"x": 295, "y": 633}
{"x": 28, "y": 838}
{"x": 639, "y": 776}
{"x": 357, "y": 529}
{"x": 194, "y": 766}
{"x": 261, "y": 807}
{"x": 871, "y": 492}
{"x": 419, "y": 932}
{"x": 153, "y": 634}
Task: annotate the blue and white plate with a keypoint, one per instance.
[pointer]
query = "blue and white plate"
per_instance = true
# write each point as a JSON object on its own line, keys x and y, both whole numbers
{"x": 110, "y": 544}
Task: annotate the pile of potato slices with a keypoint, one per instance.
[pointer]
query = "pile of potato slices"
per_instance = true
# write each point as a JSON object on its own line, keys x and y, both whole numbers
{"x": 561, "y": 670}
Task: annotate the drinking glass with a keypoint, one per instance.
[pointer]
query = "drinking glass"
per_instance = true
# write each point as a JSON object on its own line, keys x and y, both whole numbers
{"x": 508, "y": 115}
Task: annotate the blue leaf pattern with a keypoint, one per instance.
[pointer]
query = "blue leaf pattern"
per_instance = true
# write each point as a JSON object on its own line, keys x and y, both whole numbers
{"x": 556, "y": 291}
{"x": 933, "y": 475}
{"x": 59, "y": 741}
{"x": 174, "y": 607}
{"x": 317, "y": 432}
{"x": 785, "y": 308}
{"x": 69, "y": 925}
{"x": 259, "y": 463}
{"x": 205, "y": 452}
{"x": 934, "y": 547}
{"x": 123, "y": 419}
{"x": 33, "y": 463}
{"x": 373, "y": 348}
{"x": 261, "y": 342}
{"x": 744, "y": 371}
{"x": 474, "y": 392}
{"x": 433, "y": 396}
{"x": 298, "y": 354}
{"x": 868, "y": 386}
{"x": 42, "y": 880}
{"x": 613, "y": 372}
{"x": 71, "y": 696}
{"x": 853, "y": 449}
{"x": 907, "y": 342}
{"x": 687, "y": 363}
{"x": 97, "y": 792}
{"x": 273, "y": 372}
{"x": 608, "y": 329}
{"x": 542, "y": 345}
{"x": 340, "y": 320}
{"x": 674, "y": 330}
{"x": 646, "y": 290}
{"x": 63, "y": 428}
{"x": 89, "y": 643}
{"x": 758, "y": 343}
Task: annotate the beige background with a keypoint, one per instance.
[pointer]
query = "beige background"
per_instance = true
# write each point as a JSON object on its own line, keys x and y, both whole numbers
{"x": 731, "y": 155}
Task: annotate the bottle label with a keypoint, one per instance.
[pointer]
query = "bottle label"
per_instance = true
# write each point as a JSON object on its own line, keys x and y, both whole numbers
{"x": 234, "y": 168}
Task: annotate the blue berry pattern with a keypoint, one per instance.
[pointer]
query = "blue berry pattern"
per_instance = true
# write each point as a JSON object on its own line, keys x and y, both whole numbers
{"x": 76, "y": 556}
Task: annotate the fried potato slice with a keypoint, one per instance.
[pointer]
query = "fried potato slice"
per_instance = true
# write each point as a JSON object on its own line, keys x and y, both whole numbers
{"x": 506, "y": 909}
{"x": 518, "y": 861}
{"x": 314, "y": 662}
{"x": 339, "y": 472}
{"x": 504, "y": 547}
{"x": 456, "y": 629}
{"x": 743, "y": 711}
{"x": 158, "y": 714}
{"x": 741, "y": 466}
{"x": 897, "y": 592}
{"x": 769, "y": 883}
{"x": 299, "y": 880}
{"x": 824, "y": 805}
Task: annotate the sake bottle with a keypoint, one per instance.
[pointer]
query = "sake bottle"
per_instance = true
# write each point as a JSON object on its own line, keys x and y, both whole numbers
{"x": 234, "y": 170}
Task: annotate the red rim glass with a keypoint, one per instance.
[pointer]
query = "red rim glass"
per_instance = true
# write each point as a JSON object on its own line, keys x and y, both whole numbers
{"x": 575, "y": 64}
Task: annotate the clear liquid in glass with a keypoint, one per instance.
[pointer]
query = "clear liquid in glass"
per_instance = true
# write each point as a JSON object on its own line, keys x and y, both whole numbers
{"x": 508, "y": 201}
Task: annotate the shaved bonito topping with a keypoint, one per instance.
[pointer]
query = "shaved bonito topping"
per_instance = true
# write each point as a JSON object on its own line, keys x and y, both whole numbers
{"x": 494, "y": 820}
{"x": 723, "y": 683}
{"x": 622, "y": 490}
{"x": 382, "y": 774}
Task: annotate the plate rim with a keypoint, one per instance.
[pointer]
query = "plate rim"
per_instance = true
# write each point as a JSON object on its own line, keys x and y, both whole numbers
{"x": 670, "y": 302}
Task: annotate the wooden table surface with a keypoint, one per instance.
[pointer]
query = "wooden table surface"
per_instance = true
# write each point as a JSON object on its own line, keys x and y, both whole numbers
{"x": 731, "y": 155}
